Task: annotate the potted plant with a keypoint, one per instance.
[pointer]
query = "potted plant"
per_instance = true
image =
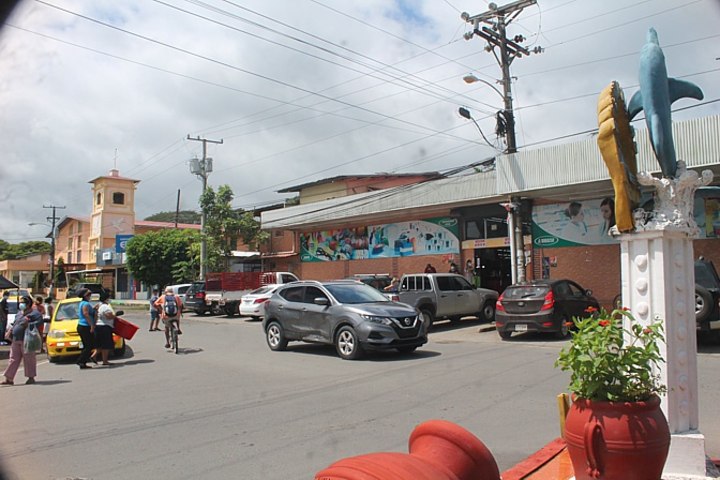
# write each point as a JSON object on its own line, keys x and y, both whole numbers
{"x": 615, "y": 427}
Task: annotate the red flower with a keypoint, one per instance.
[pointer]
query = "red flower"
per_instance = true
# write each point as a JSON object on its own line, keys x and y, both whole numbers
{"x": 591, "y": 309}
{"x": 604, "y": 323}
{"x": 646, "y": 331}
{"x": 626, "y": 309}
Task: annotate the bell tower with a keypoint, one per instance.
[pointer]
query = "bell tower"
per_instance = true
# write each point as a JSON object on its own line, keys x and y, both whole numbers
{"x": 113, "y": 210}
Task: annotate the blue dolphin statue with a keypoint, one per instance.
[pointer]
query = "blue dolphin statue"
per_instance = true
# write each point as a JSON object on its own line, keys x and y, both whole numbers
{"x": 657, "y": 92}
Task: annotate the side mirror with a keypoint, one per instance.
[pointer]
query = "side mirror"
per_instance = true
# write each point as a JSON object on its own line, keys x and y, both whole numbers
{"x": 119, "y": 312}
{"x": 588, "y": 292}
{"x": 321, "y": 301}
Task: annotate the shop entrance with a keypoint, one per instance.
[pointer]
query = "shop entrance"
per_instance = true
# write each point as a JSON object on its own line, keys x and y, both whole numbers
{"x": 493, "y": 266}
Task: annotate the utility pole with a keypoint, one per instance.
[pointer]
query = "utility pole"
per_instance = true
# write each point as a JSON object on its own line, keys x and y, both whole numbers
{"x": 202, "y": 169}
{"x": 54, "y": 218}
{"x": 505, "y": 51}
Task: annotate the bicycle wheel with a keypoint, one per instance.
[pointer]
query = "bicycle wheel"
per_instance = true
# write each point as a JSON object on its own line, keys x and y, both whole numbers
{"x": 174, "y": 335}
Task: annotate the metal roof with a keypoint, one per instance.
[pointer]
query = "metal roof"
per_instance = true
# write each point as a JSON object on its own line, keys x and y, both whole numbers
{"x": 570, "y": 170}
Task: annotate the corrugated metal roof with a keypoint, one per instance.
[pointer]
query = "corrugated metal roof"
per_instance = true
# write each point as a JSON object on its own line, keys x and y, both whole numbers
{"x": 697, "y": 142}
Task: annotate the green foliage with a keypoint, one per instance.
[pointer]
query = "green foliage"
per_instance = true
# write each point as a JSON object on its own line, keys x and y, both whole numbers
{"x": 60, "y": 280}
{"x": 603, "y": 367}
{"x": 152, "y": 257}
{"x": 184, "y": 216}
{"x": 11, "y": 251}
{"x": 225, "y": 225}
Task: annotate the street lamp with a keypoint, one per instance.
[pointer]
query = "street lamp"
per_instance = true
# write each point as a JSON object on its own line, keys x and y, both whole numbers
{"x": 51, "y": 236}
{"x": 465, "y": 113}
{"x": 470, "y": 78}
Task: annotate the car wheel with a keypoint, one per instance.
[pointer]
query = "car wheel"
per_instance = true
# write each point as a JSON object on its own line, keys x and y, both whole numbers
{"x": 564, "y": 329}
{"x": 504, "y": 335}
{"x": 427, "y": 316}
{"x": 200, "y": 312}
{"x": 703, "y": 303}
{"x": 230, "y": 311}
{"x": 275, "y": 337}
{"x": 488, "y": 311}
{"x": 347, "y": 344}
{"x": 215, "y": 310}
{"x": 120, "y": 352}
{"x": 407, "y": 349}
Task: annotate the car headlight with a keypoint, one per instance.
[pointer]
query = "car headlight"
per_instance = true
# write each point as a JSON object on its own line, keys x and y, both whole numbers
{"x": 378, "y": 320}
{"x": 56, "y": 334}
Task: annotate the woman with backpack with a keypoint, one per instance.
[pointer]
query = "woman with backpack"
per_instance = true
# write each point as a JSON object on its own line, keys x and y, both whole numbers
{"x": 170, "y": 307}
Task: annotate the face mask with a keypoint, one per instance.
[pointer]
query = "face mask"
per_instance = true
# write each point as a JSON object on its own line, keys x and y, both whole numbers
{"x": 22, "y": 307}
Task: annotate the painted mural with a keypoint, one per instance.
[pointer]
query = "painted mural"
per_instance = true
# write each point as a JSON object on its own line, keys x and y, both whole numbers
{"x": 435, "y": 236}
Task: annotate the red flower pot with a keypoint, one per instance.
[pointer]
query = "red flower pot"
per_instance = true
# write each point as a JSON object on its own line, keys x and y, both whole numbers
{"x": 617, "y": 440}
{"x": 439, "y": 450}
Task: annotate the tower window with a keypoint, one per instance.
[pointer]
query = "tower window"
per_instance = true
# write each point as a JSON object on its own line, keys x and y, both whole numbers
{"x": 118, "y": 198}
{"x": 98, "y": 200}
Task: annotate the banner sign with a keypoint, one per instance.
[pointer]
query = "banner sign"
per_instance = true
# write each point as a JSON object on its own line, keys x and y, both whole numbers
{"x": 435, "y": 236}
{"x": 121, "y": 242}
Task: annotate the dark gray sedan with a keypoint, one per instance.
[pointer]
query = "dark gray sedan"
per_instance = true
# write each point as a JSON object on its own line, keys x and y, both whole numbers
{"x": 348, "y": 314}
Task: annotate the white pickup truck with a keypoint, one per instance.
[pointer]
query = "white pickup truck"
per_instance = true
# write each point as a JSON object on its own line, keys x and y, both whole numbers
{"x": 446, "y": 295}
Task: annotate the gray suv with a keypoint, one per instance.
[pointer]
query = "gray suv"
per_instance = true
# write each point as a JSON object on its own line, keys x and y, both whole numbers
{"x": 348, "y": 314}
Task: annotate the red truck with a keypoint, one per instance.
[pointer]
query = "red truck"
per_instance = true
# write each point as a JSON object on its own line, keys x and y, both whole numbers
{"x": 224, "y": 290}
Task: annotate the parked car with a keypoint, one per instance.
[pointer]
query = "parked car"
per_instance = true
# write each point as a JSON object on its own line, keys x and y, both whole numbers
{"x": 195, "y": 299}
{"x": 253, "y": 304}
{"x": 62, "y": 338}
{"x": 379, "y": 281}
{"x": 348, "y": 314}
{"x": 707, "y": 296}
{"x": 541, "y": 306}
{"x": 180, "y": 290}
{"x": 95, "y": 289}
{"x": 447, "y": 295}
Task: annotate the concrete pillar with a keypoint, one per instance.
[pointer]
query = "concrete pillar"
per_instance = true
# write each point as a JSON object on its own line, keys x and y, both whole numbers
{"x": 658, "y": 283}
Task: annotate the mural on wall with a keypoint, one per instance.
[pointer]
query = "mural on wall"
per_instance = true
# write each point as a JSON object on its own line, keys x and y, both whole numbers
{"x": 587, "y": 222}
{"x": 436, "y": 236}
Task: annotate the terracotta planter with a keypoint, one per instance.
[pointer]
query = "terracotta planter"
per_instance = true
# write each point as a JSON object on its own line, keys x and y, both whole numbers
{"x": 439, "y": 450}
{"x": 613, "y": 440}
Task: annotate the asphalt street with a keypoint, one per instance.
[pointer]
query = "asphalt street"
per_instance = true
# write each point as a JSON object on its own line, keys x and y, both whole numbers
{"x": 228, "y": 407}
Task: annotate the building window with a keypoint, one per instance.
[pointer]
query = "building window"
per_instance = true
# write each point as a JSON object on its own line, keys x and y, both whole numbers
{"x": 78, "y": 256}
{"x": 79, "y": 229}
{"x": 98, "y": 200}
{"x": 69, "y": 257}
{"x": 119, "y": 198}
{"x": 70, "y": 230}
{"x": 70, "y": 243}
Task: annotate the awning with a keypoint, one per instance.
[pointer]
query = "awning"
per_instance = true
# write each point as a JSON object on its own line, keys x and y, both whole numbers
{"x": 5, "y": 283}
{"x": 238, "y": 253}
{"x": 280, "y": 255}
{"x": 92, "y": 270}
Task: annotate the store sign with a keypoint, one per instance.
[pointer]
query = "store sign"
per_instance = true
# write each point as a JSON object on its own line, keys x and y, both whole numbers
{"x": 121, "y": 242}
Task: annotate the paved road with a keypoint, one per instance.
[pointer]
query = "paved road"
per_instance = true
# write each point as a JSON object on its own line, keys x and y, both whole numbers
{"x": 228, "y": 407}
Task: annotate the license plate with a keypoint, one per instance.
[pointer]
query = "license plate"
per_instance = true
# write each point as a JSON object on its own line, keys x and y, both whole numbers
{"x": 521, "y": 328}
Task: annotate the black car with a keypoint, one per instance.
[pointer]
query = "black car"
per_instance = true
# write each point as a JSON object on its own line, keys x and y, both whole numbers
{"x": 541, "y": 306}
{"x": 707, "y": 296}
{"x": 195, "y": 299}
{"x": 346, "y": 313}
{"x": 95, "y": 289}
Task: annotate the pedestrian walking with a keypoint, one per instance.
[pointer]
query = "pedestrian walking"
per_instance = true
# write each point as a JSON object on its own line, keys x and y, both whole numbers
{"x": 104, "y": 325}
{"x": 154, "y": 312}
{"x": 4, "y": 311}
{"x": 49, "y": 309}
{"x": 26, "y": 317}
{"x": 86, "y": 328}
{"x": 453, "y": 268}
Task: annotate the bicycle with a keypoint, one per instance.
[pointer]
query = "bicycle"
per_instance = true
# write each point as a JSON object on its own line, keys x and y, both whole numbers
{"x": 174, "y": 336}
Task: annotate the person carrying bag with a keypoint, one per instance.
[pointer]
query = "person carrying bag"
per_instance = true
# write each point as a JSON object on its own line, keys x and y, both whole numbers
{"x": 24, "y": 331}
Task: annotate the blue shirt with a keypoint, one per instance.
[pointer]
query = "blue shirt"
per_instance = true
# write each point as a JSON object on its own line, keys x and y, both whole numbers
{"x": 85, "y": 322}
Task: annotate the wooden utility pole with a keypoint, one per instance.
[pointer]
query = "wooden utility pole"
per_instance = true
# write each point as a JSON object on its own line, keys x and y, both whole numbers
{"x": 54, "y": 218}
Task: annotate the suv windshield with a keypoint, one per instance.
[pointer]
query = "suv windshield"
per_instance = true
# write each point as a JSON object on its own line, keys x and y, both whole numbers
{"x": 355, "y": 293}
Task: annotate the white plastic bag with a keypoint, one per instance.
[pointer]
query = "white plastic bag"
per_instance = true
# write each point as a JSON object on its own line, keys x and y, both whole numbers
{"x": 32, "y": 341}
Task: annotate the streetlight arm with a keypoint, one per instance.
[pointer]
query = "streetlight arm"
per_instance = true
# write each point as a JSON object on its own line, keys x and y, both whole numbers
{"x": 465, "y": 113}
{"x": 470, "y": 78}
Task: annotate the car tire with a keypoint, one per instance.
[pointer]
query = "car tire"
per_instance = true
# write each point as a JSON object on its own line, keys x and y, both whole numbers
{"x": 347, "y": 344}
{"x": 428, "y": 316}
{"x": 275, "y": 336}
{"x": 504, "y": 335}
{"x": 120, "y": 352}
{"x": 407, "y": 350}
{"x": 200, "y": 312}
{"x": 230, "y": 311}
{"x": 564, "y": 329}
{"x": 703, "y": 303}
{"x": 487, "y": 313}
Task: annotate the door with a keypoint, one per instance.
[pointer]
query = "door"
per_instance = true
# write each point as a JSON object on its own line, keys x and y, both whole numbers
{"x": 316, "y": 318}
{"x": 291, "y": 310}
{"x": 579, "y": 300}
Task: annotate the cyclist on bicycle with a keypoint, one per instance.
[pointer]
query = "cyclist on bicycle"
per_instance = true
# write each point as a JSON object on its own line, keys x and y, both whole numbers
{"x": 170, "y": 307}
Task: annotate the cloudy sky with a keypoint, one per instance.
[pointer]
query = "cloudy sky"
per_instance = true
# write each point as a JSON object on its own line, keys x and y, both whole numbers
{"x": 300, "y": 90}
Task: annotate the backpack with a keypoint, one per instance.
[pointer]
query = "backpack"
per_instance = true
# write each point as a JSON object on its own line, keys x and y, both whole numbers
{"x": 171, "y": 306}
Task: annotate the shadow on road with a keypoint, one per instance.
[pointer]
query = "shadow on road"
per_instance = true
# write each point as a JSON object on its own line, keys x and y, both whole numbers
{"x": 370, "y": 355}
{"x": 188, "y": 351}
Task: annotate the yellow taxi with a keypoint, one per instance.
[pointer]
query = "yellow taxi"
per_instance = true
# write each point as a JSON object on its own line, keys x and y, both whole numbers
{"x": 62, "y": 337}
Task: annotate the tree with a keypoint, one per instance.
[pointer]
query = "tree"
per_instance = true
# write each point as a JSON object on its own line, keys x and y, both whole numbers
{"x": 152, "y": 257}
{"x": 11, "y": 251}
{"x": 184, "y": 216}
{"x": 60, "y": 280}
{"x": 225, "y": 225}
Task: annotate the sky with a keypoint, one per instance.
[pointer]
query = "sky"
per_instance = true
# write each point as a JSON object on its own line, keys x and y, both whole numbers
{"x": 302, "y": 90}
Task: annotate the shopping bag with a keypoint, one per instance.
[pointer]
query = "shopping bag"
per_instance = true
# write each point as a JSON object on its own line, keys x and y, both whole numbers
{"x": 32, "y": 341}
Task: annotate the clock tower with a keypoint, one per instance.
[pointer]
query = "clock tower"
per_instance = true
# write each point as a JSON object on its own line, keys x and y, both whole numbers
{"x": 113, "y": 211}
